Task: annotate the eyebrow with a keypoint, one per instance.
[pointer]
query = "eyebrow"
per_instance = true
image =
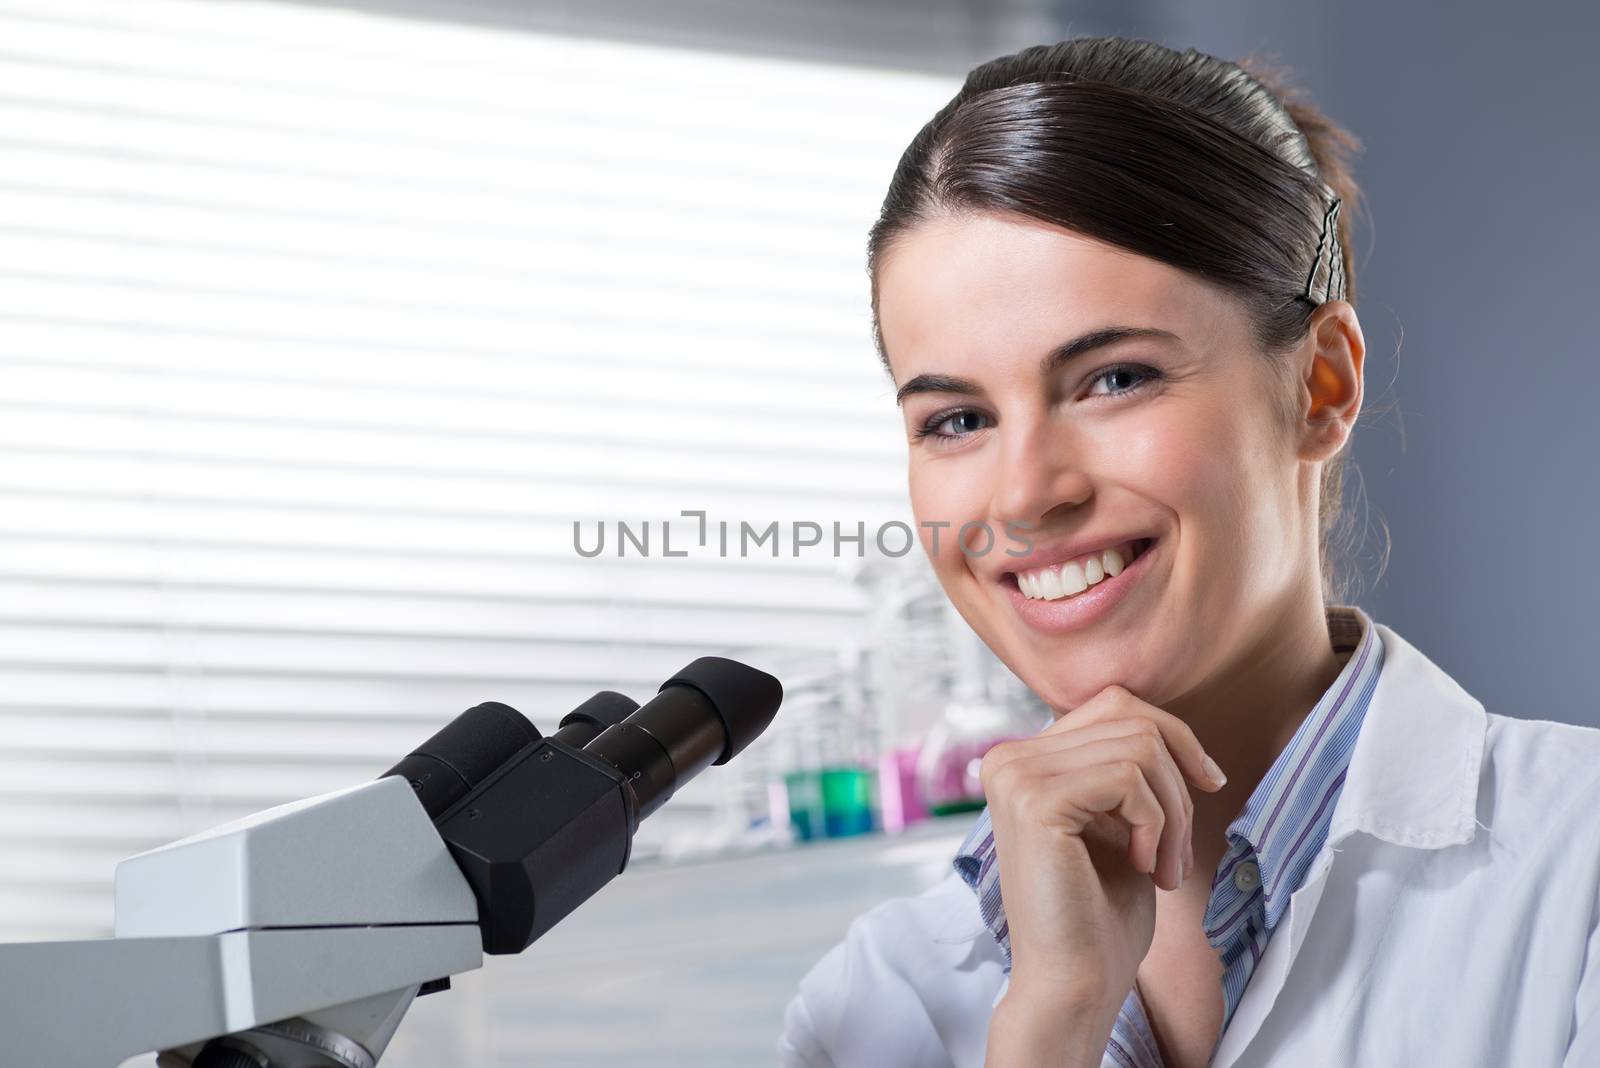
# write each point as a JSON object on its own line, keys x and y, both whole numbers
{"x": 1053, "y": 360}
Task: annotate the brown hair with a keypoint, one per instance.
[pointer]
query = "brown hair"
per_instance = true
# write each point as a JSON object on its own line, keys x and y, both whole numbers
{"x": 1210, "y": 166}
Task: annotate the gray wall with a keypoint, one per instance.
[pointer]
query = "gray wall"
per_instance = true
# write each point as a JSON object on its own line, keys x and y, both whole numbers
{"x": 1476, "y": 265}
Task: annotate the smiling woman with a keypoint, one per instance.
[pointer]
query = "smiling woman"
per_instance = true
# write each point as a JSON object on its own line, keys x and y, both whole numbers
{"x": 1161, "y": 420}
{"x": 1111, "y": 284}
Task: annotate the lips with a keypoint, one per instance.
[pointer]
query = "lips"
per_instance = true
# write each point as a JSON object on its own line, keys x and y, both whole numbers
{"x": 1067, "y": 551}
{"x": 1036, "y": 563}
{"x": 1066, "y": 614}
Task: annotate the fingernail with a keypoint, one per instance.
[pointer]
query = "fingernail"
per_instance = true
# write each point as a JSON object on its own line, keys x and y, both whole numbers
{"x": 1215, "y": 772}
{"x": 1188, "y": 859}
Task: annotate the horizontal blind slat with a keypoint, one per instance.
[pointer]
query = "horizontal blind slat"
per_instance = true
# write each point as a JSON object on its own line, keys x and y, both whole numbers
{"x": 318, "y": 333}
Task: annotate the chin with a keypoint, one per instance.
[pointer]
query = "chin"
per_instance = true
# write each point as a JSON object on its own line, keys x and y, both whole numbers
{"x": 1067, "y": 698}
{"x": 1064, "y": 690}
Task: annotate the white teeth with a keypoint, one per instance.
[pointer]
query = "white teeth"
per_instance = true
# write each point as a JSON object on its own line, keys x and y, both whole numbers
{"x": 1050, "y": 584}
{"x": 1067, "y": 580}
{"x": 1072, "y": 580}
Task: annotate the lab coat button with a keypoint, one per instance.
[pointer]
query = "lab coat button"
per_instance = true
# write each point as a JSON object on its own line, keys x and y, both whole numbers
{"x": 1246, "y": 876}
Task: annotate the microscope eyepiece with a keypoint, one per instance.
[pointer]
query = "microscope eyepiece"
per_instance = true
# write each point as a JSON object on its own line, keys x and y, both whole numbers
{"x": 744, "y": 699}
{"x": 539, "y": 824}
{"x": 463, "y": 753}
{"x": 705, "y": 714}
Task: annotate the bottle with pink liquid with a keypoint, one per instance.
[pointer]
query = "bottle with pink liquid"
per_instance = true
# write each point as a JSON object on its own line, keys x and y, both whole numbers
{"x": 978, "y": 715}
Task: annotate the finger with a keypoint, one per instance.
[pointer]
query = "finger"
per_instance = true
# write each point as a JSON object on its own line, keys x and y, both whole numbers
{"x": 1116, "y": 702}
{"x": 1000, "y": 754}
{"x": 1059, "y": 736}
{"x": 1136, "y": 804}
{"x": 1148, "y": 749}
{"x": 1166, "y": 776}
{"x": 1013, "y": 748}
{"x": 1124, "y": 727}
{"x": 1144, "y": 749}
{"x": 1118, "y": 789}
{"x": 1180, "y": 832}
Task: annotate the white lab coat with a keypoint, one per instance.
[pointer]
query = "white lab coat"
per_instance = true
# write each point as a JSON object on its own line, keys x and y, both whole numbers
{"x": 1450, "y": 918}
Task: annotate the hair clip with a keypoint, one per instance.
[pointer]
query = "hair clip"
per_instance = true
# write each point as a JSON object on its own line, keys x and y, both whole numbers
{"x": 1329, "y": 239}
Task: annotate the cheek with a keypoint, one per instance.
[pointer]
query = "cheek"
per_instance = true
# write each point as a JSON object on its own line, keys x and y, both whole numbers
{"x": 951, "y": 494}
{"x": 1181, "y": 460}
{"x": 1214, "y": 478}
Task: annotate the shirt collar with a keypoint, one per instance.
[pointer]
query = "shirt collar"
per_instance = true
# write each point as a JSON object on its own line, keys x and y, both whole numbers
{"x": 1286, "y": 818}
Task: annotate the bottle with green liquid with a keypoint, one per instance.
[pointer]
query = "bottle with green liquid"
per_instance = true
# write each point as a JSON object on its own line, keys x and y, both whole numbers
{"x": 831, "y": 793}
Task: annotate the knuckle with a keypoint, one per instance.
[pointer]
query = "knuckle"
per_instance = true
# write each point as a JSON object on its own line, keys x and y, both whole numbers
{"x": 991, "y": 762}
{"x": 995, "y": 774}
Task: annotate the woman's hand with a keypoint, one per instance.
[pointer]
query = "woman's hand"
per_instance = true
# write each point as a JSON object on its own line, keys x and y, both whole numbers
{"x": 1090, "y": 815}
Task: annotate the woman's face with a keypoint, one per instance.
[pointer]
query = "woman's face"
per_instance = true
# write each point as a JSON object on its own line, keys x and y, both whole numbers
{"x": 1171, "y": 436}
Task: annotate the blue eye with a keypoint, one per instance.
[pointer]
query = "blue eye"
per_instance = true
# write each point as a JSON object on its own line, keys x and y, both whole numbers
{"x": 953, "y": 425}
{"x": 965, "y": 416}
{"x": 1138, "y": 371}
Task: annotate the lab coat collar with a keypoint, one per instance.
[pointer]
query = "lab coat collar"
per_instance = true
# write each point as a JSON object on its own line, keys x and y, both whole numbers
{"x": 1413, "y": 776}
{"x": 1412, "y": 781}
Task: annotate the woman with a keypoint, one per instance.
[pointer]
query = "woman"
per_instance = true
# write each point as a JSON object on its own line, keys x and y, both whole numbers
{"x": 1112, "y": 286}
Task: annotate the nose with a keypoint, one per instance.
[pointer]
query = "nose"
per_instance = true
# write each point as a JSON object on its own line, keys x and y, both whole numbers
{"x": 1037, "y": 473}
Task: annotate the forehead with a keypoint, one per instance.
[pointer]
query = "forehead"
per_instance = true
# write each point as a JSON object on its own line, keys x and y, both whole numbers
{"x": 958, "y": 289}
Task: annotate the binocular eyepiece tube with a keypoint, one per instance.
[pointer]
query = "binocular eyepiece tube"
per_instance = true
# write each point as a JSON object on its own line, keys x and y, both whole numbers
{"x": 704, "y": 715}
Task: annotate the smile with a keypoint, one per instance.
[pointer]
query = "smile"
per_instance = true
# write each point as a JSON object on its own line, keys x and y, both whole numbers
{"x": 1061, "y": 581}
{"x": 1039, "y": 596}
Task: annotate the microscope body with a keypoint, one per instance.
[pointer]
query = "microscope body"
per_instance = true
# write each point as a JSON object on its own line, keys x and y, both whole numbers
{"x": 299, "y": 936}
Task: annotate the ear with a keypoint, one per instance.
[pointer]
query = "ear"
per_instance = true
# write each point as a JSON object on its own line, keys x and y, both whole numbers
{"x": 1332, "y": 380}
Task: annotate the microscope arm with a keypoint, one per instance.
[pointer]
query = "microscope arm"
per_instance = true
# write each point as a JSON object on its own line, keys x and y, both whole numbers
{"x": 95, "y": 1003}
{"x": 320, "y": 903}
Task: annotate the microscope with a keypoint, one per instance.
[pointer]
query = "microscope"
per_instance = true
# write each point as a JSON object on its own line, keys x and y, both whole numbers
{"x": 298, "y": 937}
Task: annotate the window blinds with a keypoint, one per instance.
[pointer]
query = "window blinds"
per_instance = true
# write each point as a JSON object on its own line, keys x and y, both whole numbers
{"x": 318, "y": 332}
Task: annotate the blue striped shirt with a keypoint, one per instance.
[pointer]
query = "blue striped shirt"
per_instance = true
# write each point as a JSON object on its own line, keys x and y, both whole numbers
{"x": 1271, "y": 842}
